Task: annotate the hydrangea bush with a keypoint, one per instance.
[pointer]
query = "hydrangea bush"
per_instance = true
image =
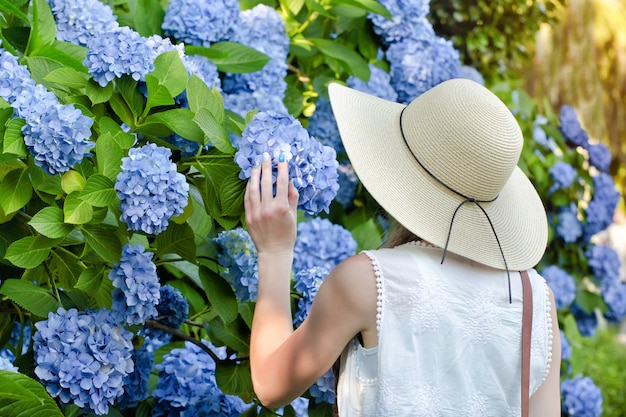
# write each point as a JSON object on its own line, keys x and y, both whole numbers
{"x": 127, "y": 133}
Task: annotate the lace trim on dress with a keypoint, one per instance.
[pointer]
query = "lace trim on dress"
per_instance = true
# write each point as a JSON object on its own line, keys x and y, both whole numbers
{"x": 379, "y": 291}
{"x": 546, "y": 369}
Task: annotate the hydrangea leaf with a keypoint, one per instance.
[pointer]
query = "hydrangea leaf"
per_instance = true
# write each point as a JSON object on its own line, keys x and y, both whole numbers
{"x": 133, "y": 97}
{"x": 75, "y": 210}
{"x": 322, "y": 409}
{"x": 104, "y": 241}
{"x": 366, "y": 5}
{"x": 72, "y": 181}
{"x": 170, "y": 73}
{"x": 110, "y": 156}
{"x": 10, "y": 8}
{"x": 49, "y": 222}
{"x": 178, "y": 239}
{"x": 67, "y": 267}
{"x": 220, "y": 294}
{"x": 98, "y": 94}
{"x": 90, "y": 280}
{"x": 179, "y": 121}
{"x": 232, "y": 57}
{"x": 148, "y": 17}
{"x": 353, "y": 61}
{"x": 198, "y": 93}
{"x": 21, "y": 396}
{"x": 234, "y": 378}
{"x": 15, "y": 190}
{"x": 215, "y": 131}
{"x": 67, "y": 77}
{"x": 13, "y": 138}
{"x": 235, "y": 335}
{"x": 99, "y": 191}
{"x": 29, "y": 296}
{"x": 122, "y": 110}
{"x": 232, "y": 192}
{"x": 43, "y": 29}
{"x": 158, "y": 94}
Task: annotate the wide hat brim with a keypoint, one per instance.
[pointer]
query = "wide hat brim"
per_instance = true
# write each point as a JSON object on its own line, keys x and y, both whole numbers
{"x": 370, "y": 131}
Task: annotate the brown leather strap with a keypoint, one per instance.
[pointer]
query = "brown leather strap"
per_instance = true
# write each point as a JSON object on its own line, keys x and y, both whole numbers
{"x": 527, "y": 320}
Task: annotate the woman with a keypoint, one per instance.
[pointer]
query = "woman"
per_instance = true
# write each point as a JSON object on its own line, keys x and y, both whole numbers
{"x": 432, "y": 325}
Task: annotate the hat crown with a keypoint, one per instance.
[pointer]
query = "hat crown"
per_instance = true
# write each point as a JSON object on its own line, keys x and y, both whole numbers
{"x": 465, "y": 136}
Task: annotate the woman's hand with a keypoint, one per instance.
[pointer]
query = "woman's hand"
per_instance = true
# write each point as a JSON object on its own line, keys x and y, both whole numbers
{"x": 271, "y": 220}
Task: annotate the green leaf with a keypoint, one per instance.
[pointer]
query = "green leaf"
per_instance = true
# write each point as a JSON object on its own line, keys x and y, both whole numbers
{"x": 98, "y": 94}
{"x": 121, "y": 109}
{"x": 131, "y": 94}
{"x": 72, "y": 181}
{"x": 90, "y": 280}
{"x": 66, "y": 268}
{"x": 49, "y": 222}
{"x": 75, "y": 210}
{"x": 231, "y": 57}
{"x": 180, "y": 121}
{"x": 235, "y": 335}
{"x": 214, "y": 130}
{"x": 29, "y": 252}
{"x": 43, "y": 31}
{"x": 104, "y": 241}
{"x": 29, "y": 296}
{"x": 178, "y": 239}
{"x": 232, "y": 192}
{"x": 13, "y": 138}
{"x": 353, "y": 61}
{"x": 366, "y": 5}
{"x": 21, "y": 396}
{"x": 109, "y": 156}
{"x": 158, "y": 94}
{"x": 220, "y": 295}
{"x": 68, "y": 77}
{"x": 234, "y": 379}
{"x": 8, "y": 7}
{"x": 322, "y": 409}
{"x": 198, "y": 94}
{"x": 99, "y": 191}
{"x": 64, "y": 54}
{"x": 15, "y": 190}
{"x": 167, "y": 81}
{"x": 148, "y": 17}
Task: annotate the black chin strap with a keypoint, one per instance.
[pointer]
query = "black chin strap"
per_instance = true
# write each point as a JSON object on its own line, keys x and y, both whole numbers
{"x": 466, "y": 199}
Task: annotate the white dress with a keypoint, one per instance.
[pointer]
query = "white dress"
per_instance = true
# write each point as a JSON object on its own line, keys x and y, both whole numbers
{"x": 449, "y": 341}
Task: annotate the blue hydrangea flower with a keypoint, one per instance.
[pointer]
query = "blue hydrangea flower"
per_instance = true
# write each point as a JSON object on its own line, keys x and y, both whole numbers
{"x": 587, "y": 323}
{"x": 136, "y": 285}
{"x": 311, "y": 163}
{"x": 204, "y": 69}
{"x": 378, "y": 85}
{"x": 79, "y": 21}
{"x": 562, "y": 285}
{"x": 301, "y": 406}
{"x": 187, "y": 385}
{"x": 539, "y": 135}
{"x": 13, "y": 346}
{"x": 600, "y": 156}
{"x": 307, "y": 282}
{"x": 324, "y": 389}
{"x": 614, "y": 295}
{"x": 407, "y": 18}
{"x": 348, "y": 182}
{"x": 604, "y": 262}
{"x": 566, "y": 349}
{"x": 323, "y": 126}
{"x": 238, "y": 256}
{"x": 419, "y": 65}
{"x": 322, "y": 243}
{"x": 581, "y": 397}
{"x": 569, "y": 226}
{"x": 83, "y": 357}
{"x": 173, "y": 307}
{"x": 471, "y": 73}
{"x": 14, "y": 80}
{"x": 601, "y": 208}
{"x": 136, "y": 383}
{"x": 570, "y": 127}
{"x": 150, "y": 189}
{"x": 242, "y": 102}
{"x": 563, "y": 175}
{"x": 200, "y": 23}
{"x": 6, "y": 364}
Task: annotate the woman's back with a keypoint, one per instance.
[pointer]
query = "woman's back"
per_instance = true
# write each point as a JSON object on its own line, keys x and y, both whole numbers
{"x": 449, "y": 340}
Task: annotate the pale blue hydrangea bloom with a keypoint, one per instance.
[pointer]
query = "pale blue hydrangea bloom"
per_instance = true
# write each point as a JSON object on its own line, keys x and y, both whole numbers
{"x": 150, "y": 189}
{"x": 136, "y": 386}
{"x": 569, "y": 226}
{"x": 200, "y": 23}
{"x": 563, "y": 175}
{"x": 204, "y": 69}
{"x": 79, "y": 21}
{"x": 83, "y": 357}
{"x": 570, "y": 127}
{"x": 348, "y": 182}
{"x": 6, "y": 364}
{"x": 322, "y": 243}
{"x": 587, "y": 323}
{"x": 581, "y": 397}
{"x": 301, "y": 406}
{"x": 187, "y": 385}
{"x": 566, "y": 349}
{"x": 417, "y": 65}
{"x": 614, "y": 295}
{"x": 242, "y": 102}
{"x": 57, "y": 135}
{"x": 562, "y": 285}
{"x": 238, "y": 255}
{"x": 407, "y": 17}
{"x": 378, "y": 85}
{"x": 601, "y": 208}
{"x": 307, "y": 282}
{"x": 136, "y": 283}
{"x": 323, "y": 390}
{"x": 173, "y": 307}
{"x": 14, "y": 340}
{"x": 599, "y": 156}
{"x": 471, "y": 73}
{"x": 311, "y": 163}
{"x": 323, "y": 126}
{"x": 604, "y": 262}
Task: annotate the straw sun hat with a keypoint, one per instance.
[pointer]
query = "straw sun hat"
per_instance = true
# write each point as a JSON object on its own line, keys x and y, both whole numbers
{"x": 445, "y": 167}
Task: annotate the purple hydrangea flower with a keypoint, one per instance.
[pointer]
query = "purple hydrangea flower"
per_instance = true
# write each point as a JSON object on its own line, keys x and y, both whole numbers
{"x": 614, "y": 295}
{"x": 136, "y": 383}
{"x": 136, "y": 285}
{"x": 322, "y": 243}
{"x": 563, "y": 175}
{"x": 83, "y": 357}
{"x": 378, "y": 85}
{"x": 566, "y": 349}
{"x": 348, "y": 182}
{"x": 417, "y": 65}
{"x": 307, "y": 282}
{"x": 187, "y": 384}
{"x": 587, "y": 323}
{"x": 569, "y": 227}
{"x": 600, "y": 156}
{"x": 311, "y": 163}
{"x": 604, "y": 262}
{"x": 601, "y": 208}
{"x": 150, "y": 189}
{"x": 238, "y": 256}
{"x": 581, "y": 397}
{"x": 200, "y": 23}
{"x": 570, "y": 127}
{"x": 79, "y": 21}
{"x": 407, "y": 17}
{"x": 323, "y": 390}
{"x": 323, "y": 126}
{"x": 562, "y": 285}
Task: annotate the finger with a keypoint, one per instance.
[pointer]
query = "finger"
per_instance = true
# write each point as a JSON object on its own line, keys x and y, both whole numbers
{"x": 253, "y": 187}
{"x": 293, "y": 195}
{"x": 282, "y": 180}
{"x": 266, "y": 178}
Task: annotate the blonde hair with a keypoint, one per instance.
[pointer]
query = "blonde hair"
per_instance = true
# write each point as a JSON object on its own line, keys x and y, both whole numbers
{"x": 398, "y": 235}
